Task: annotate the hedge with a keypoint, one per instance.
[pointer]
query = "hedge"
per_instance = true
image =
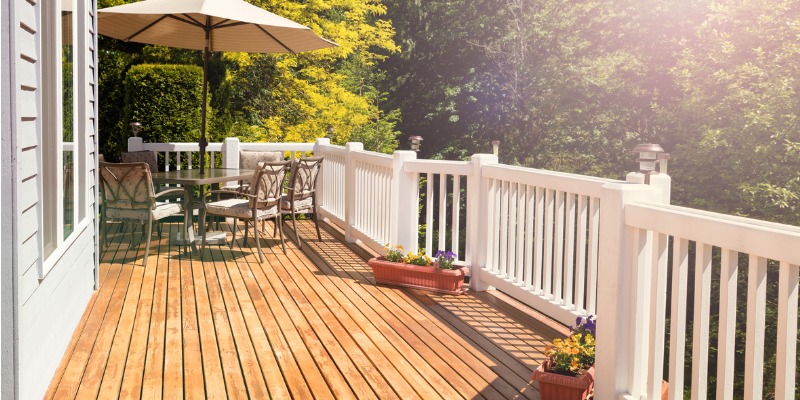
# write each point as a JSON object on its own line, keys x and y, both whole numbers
{"x": 166, "y": 99}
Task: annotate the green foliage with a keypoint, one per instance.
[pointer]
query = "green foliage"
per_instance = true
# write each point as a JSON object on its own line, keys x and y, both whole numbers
{"x": 394, "y": 253}
{"x": 166, "y": 99}
{"x": 419, "y": 259}
{"x": 297, "y": 97}
{"x": 571, "y": 356}
{"x": 740, "y": 102}
{"x": 279, "y": 97}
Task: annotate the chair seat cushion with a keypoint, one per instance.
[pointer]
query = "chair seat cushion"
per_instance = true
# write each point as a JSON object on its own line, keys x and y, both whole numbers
{"x": 243, "y": 188}
{"x": 162, "y": 210}
{"x": 239, "y": 208}
{"x": 301, "y": 204}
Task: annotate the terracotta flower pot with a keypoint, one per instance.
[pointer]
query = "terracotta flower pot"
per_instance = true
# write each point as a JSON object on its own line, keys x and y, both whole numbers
{"x": 427, "y": 278}
{"x": 554, "y": 386}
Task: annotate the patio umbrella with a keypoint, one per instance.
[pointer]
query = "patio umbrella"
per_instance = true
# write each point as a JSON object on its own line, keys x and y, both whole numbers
{"x": 208, "y": 25}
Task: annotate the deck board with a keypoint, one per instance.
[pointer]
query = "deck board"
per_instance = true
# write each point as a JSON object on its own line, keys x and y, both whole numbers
{"x": 307, "y": 324}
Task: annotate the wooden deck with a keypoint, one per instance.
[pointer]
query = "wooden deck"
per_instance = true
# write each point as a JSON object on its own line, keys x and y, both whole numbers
{"x": 308, "y": 324}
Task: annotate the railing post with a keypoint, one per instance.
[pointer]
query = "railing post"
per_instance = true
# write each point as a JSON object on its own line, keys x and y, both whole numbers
{"x": 477, "y": 223}
{"x": 350, "y": 189}
{"x": 404, "y": 203}
{"x": 230, "y": 153}
{"x": 135, "y": 143}
{"x": 622, "y": 331}
{"x": 320, "y": 193}
{"x": 661, "y": 182}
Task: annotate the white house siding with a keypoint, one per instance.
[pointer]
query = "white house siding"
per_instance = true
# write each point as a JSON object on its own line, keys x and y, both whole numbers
{"x": 47, "y": 309}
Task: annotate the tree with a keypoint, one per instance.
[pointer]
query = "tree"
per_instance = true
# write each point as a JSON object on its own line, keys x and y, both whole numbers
{"x": 281, "y": 97}
{"x": 739, "y": 76}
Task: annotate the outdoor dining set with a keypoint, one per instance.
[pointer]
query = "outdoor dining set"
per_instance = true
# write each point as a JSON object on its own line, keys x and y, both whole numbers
{"x": 264, "y": 187}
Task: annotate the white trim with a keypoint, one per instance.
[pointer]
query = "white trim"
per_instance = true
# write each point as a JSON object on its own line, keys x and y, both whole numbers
{"x": 8, "y": 254}
{"x": 52, "y": 144}
{"x": 55, "y": 257}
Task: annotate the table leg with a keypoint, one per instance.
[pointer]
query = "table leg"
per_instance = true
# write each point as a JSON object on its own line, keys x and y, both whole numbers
{"x": 187, "y": 219}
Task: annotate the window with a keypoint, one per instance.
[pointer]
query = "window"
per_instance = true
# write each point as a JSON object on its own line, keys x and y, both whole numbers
{"x": 60, "y": 144}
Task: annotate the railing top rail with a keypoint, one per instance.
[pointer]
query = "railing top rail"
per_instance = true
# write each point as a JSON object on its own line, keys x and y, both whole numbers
{"x": 761, "y": 238}
{"x": 217, "y": 146}
{"x": 572, "y": 183}
{"x": 333, "y": 149}
{"x": 276, "y": 146}
{"x": 183, "y": 147}
{"x": 438, "y": 167}
{"x": 371, "y": 157}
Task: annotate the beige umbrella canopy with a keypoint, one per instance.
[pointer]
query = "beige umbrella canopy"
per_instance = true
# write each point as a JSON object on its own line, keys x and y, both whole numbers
{"x": 209, "y": 25}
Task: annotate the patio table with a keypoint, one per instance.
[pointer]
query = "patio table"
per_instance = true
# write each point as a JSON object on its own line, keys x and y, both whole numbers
{"x": 188, "y": 179}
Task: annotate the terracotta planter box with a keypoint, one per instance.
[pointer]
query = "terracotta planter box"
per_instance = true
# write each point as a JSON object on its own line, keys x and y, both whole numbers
{"x": 427, "y": 278}
{"x": 562, "y": 387}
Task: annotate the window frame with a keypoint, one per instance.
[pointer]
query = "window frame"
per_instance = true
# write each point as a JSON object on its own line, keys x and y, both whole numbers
{"x": 51, "y": 135}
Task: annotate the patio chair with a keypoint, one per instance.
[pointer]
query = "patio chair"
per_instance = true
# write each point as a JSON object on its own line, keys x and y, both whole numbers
{"x": 249, "y": 159}
{"x": 128, "y": 195}
{"x": 261, "y": 203}
{"x": 301, "y": 193}
{"x": 144, "y": 156}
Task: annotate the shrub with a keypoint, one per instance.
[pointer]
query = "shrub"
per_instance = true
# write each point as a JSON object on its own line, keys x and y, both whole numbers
{"x": 166, "y": 99}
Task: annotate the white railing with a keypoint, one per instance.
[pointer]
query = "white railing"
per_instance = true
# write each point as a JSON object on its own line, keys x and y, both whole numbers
{"x": 372, "y": 175}
{"x": 542, "y": 241}
{"x": 223, "y": 154}
{"x": 332, "y": 201}
{"x": 443, "y": 182}
{"x": 574, "y": 245}
{"x": 176, "y": 155}
{"x": 632, "y": 327}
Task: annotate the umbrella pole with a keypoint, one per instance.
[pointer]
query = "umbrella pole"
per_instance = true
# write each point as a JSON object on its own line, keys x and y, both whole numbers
{"x": 203, "y": 142}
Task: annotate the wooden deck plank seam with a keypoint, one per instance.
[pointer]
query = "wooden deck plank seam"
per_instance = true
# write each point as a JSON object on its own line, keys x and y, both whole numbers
{"x": 363, "y": 277}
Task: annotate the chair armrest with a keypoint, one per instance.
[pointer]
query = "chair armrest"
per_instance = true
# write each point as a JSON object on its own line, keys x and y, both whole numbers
{"x": 170, "y": 192}
{"x": 227, "y": 192}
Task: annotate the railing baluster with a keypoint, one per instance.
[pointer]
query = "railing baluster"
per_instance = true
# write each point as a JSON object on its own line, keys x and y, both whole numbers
{"x": 494, "y": 225}
{"x": 702, "y": 306}
{"x": 658, "y": 301}
{"x": 580, "y": 265}
{"x": 520, "y": 225}
{"x": 558, "y": 266}
{"x": 429, "y": 213}
{"x": 569, "y": 272}
{"x": 530, "y": 238}
{"x": 442, "y": 213}
{"x": 594, "y": 245}
{"x": 677, "y": 335}
{"x": 756, "y": 324}
{"x": 727, "y": 323}
{"x": 549, "y": 217}
{"x": 538, "y": 242}
{"x": 786, "y": 359}
{"x": 456, "y": 218}
{"x": 503, "y": 249}
{"x": 371, "y": 221}
{"x": 511, "y": 262}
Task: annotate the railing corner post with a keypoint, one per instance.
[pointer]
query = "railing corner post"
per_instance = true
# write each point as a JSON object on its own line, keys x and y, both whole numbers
{"x": 404, "y": 218}
{"x": 477, "y": 223}
{"x": 135, "y": 143}
{"x": 350, "y": 189}
{"x": 320, "y": 142}
{"x": 618, "y": 303}
{"x": 230, "y": 153}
